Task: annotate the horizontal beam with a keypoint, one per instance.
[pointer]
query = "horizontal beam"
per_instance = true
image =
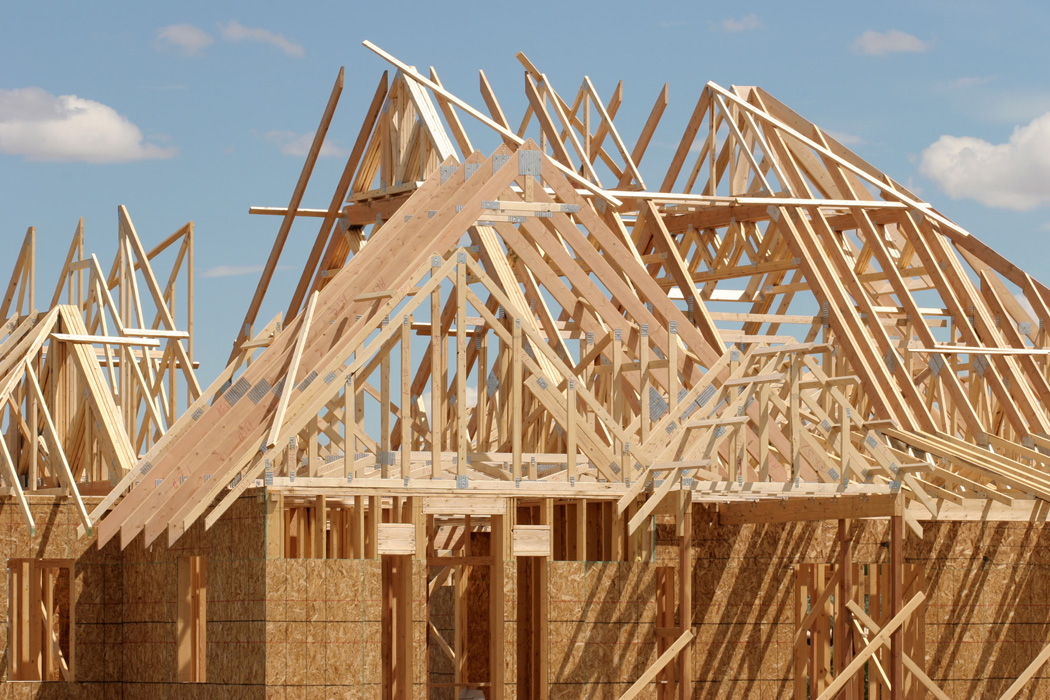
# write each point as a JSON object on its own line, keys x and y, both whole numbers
{"x": 786, "y": 510}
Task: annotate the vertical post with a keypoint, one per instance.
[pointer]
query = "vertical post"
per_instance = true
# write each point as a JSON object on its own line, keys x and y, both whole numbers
{"x": 290, "y": 457}
{"x": 570, "y": 430}
{"x": 843, "y": 628}
{"x": 615, "y": 392}
{"x": 375, "y": 515}
{"x": 515, "y": 397}
{"x": 404, "y": 625}
{"x": 844, "y": 443}
{"x": 543, "y": 609}
{"x": 588, "y": 373}
{"x": 665, "y": 620}
{"x": 896, "y": 601}
{"x": 685, "y": 595}
{"x": 26, "y": 606}
{"x": 643, "y": 380}
{"x": 313, "y": 460}
{"x": 274, "y": 525}
{"x": 497, "y": 664}
{"x": 34, "y": 431}
{"x": 437, "y": 389}
{"x": 384, "y": 411}
{"x": 31, "y": 263}
{"x": 672, "y": 365}
{"x": 35, "y": 625}
{"x": 461, "y": 363}
{"x": 481, "y": 345}
{"x": 200, "y": 602}
{"x": 406, "y": 397}
{"x": 794, "y": 409}
{"x": 189, "y": 298}
{"x": 349, "y": 427}
{"x": 319, "y": 528}
{"x": 460, "y": 574}
{"x": 184, "y": 635}
{"x": 581, "y": 530}
{"x": 49, "y": 663}
{"x": 358, "y": 539}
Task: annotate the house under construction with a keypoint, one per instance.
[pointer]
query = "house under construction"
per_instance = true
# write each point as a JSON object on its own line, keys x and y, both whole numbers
{"x": 532, "y": 427}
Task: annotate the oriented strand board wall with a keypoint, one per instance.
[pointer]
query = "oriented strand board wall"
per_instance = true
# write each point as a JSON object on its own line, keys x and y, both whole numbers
{"x": 323, "y": 625}
{"x": 324, "y": 628}
{"x": 125, "y": 607}
{"x": 987, "y": 616}
{"x": 989, "y": 612}
{"x": 98, "y": 611}
{"x": 602, "y": 627}
{"x": 311, "y": 628}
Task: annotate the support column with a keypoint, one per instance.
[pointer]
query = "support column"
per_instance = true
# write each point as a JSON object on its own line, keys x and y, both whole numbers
{"x": 685, "y": 594}
{"x": 843, "y": 627}
{"x": 543, "y": 609}
{"x": 896, "y": 602}
{"x": 497, "y": 545}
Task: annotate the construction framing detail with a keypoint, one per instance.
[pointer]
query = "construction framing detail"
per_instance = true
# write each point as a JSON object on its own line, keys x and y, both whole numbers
{"x": 517, "y": 395}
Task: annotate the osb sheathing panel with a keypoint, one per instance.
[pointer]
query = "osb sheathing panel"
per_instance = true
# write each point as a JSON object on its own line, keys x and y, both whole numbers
{"x": 56, "y": 523}
{"x": 478, "y": 645}
{"x": 602, "y": 625}
{"x": 987, "y": 616}
{"x": 125, "y": 601}
{"x": 988, "y": 611}
{"x": 510, "y": 628}
{"x": 324, "y": 626}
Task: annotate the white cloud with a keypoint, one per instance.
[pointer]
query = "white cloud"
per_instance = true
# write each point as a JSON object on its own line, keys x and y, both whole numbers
{"x": 293, "y": 144}
{"x": 743, "y": 24}
{"x": 1012, "y": 175}
{"x": 40, "y": 126}
{"x": 894, "y": 41}
{"x": 235, "y": 31}
{"x": 184, "y": 38}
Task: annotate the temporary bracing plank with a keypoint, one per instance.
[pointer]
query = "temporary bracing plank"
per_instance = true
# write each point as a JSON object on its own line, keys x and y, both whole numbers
{"x": 658, "y": 665}
{"x": 876, "y": 641}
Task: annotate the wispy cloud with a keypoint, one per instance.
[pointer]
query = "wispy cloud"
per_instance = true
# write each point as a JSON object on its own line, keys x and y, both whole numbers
{"x": 967, "y": 81}
{"x": 1014, "y": 106}
{"x": 235, "y": 31}
{"x": 845, "y": 138}
{"x": 1012, "y": 175}
{"x": 183, "y": 38}
{"x": 744, "y": 24}
{"x": 292, "y": 144}
{"x": 40, "y": 126}
{"x": 894, "y": 41}
{"x": 236, "y": 270}
{"x": 190, "y": 40}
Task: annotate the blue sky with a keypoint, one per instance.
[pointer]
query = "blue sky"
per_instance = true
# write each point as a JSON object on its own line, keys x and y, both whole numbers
{"x": 204, "y": 106}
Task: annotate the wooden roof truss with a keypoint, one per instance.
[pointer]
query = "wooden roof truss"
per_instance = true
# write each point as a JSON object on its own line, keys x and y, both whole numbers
{"x": 89, "y": 384}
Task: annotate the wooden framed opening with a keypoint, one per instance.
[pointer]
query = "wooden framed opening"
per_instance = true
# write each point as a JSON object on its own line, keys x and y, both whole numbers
{"x": 823, "y": 643}
{"x": 192, "y": 624}
{"x": 41, "y": 628}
